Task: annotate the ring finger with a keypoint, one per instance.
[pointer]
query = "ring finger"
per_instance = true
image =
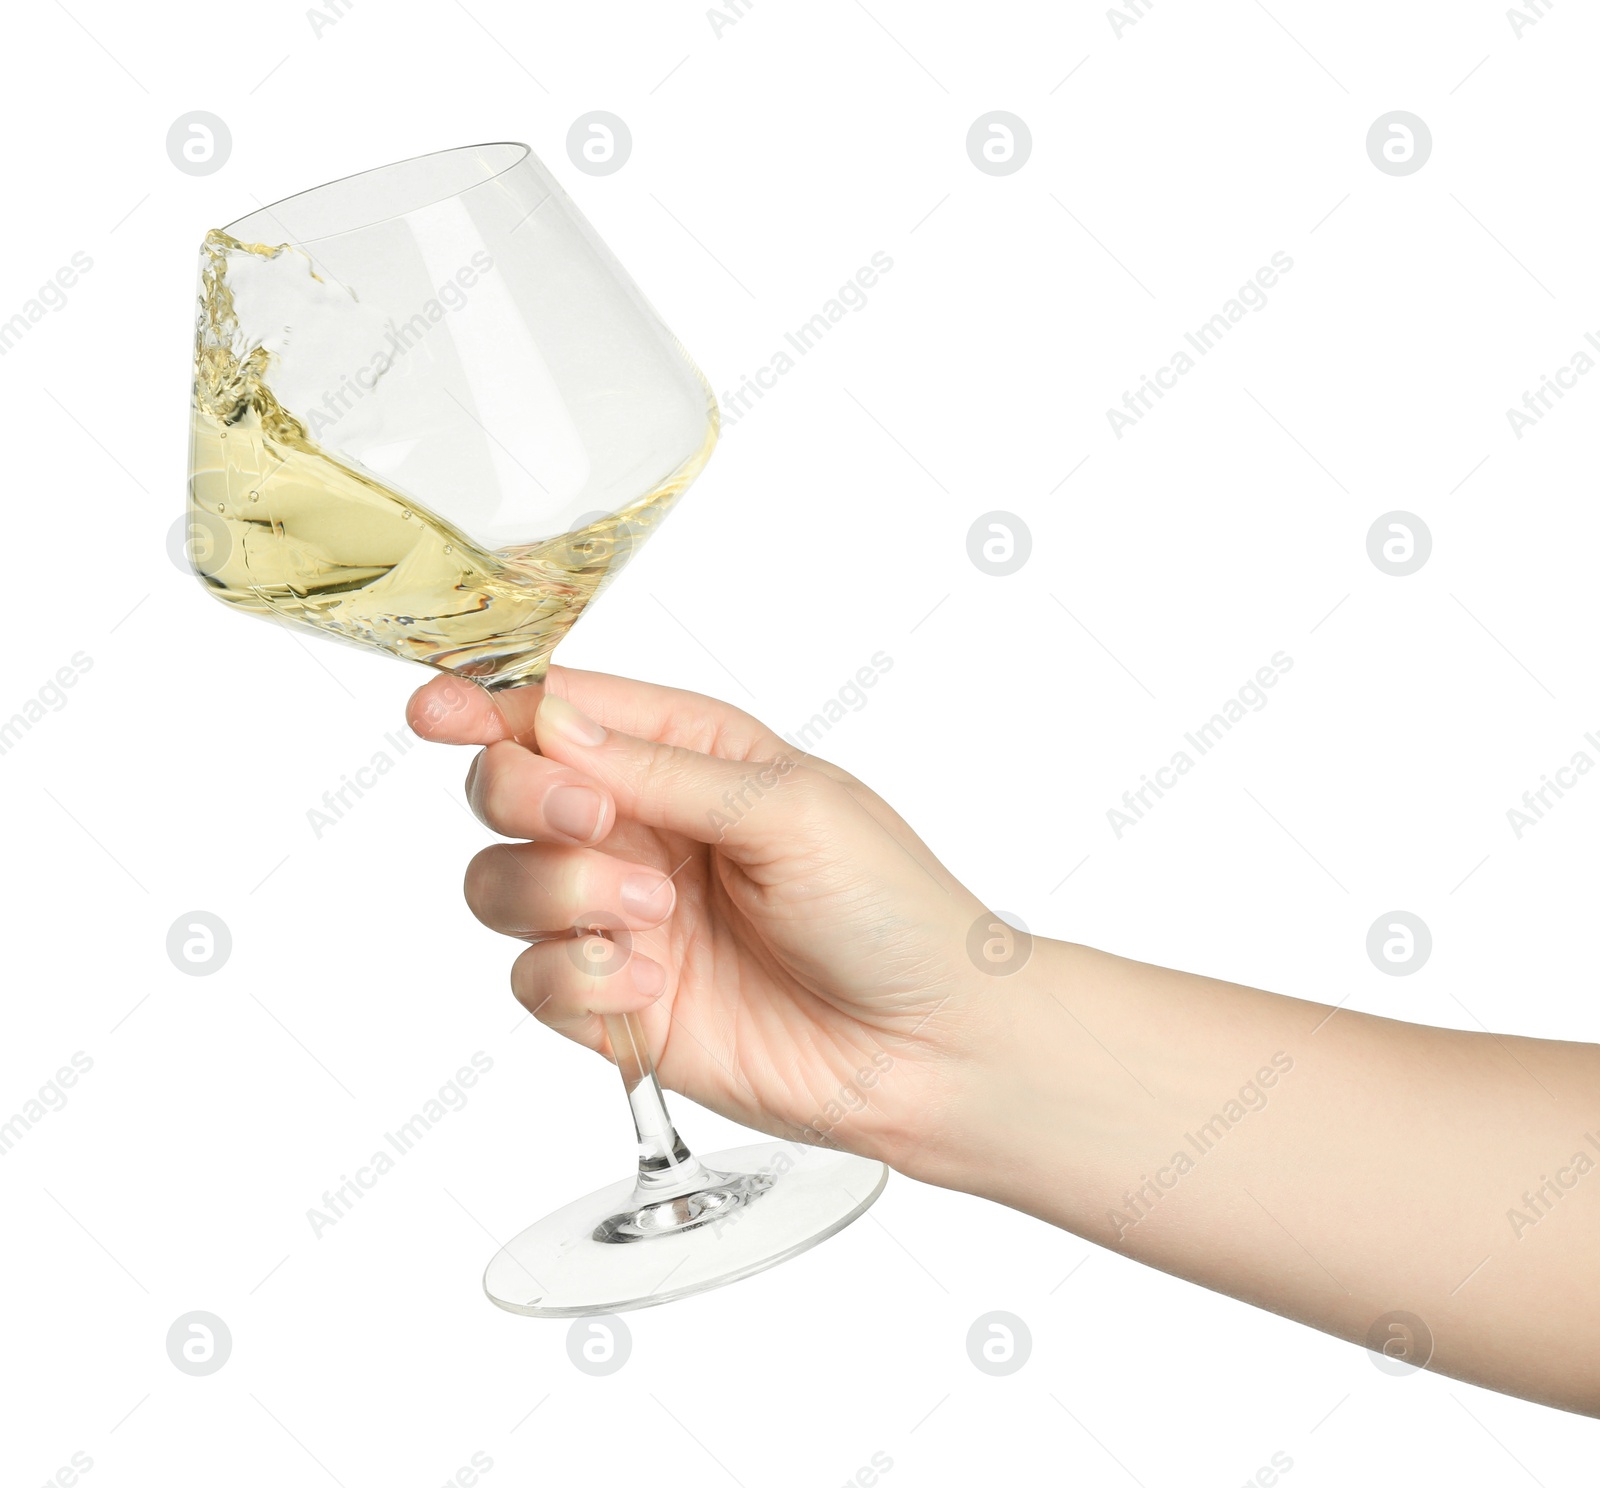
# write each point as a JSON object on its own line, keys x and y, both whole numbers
{"x": 573, "y": 983}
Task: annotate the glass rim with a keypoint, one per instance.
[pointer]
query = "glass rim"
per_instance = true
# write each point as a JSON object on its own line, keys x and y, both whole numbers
{"x": 521, "y": 153}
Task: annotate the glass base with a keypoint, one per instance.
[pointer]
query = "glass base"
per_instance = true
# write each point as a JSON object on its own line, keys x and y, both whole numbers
{"x": 630, "y": 1246}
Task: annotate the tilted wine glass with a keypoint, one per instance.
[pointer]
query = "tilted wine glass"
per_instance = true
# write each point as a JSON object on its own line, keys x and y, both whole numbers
{"x": 433, "y": 415}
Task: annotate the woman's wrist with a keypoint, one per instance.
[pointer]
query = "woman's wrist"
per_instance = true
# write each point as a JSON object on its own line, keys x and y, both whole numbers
{"x": 1009, "y": 1086}
{"x": 1063, "y": 1079}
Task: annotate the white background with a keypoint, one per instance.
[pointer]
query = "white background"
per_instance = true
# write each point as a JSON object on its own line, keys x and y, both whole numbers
{"x": 768, "y": 164}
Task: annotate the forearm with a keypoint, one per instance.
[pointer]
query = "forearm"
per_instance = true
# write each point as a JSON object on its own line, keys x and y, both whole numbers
{"x": 1330, "y": 1166}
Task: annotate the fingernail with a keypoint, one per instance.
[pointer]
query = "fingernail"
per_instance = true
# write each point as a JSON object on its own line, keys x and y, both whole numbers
{"x": 649, "y": 977}
{"x": 574, "y": 810}
{"x": 647, "y": 896}
{"x": 579, "y": 728}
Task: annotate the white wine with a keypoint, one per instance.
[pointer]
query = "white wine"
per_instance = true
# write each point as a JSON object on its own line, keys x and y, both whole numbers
{"x": 280, "y": 527}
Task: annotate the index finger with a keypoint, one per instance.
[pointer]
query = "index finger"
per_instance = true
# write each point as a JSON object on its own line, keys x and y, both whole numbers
{"x": 454, "y": 710}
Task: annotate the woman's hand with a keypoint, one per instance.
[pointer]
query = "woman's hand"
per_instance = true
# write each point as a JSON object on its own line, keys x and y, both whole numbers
{"x": 802, "y": 966}
{"x": 798, "y": 956}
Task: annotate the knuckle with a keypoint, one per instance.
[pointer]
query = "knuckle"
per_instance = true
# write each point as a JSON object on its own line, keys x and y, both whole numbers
{"x": 485, "y": 872}
{"x": 661, "y": 772}
{"x": 584, "y": 892}
{"x": 810, "y": 785}
{"x": 532, "y": 983}
{"x": 806, "y": 792}
{"x": 499, "y": 794}
{"x": 779, "y": 791}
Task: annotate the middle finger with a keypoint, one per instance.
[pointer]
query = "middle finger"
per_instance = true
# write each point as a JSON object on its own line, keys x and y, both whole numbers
{"x": 518, "y": 793}
{"x": 543, "y": 888}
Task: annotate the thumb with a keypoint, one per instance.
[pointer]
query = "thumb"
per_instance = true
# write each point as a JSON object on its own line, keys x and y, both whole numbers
{"x": 746, "y": 806}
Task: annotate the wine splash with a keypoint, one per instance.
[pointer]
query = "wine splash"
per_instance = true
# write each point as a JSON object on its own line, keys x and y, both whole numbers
{"x": 280, "y": 527}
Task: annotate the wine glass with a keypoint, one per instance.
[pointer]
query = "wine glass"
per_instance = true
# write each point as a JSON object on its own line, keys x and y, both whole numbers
{"x": 433, "y": 415}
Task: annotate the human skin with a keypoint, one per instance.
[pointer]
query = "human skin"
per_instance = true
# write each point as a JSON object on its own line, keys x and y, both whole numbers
{"x": 801, "y": 964}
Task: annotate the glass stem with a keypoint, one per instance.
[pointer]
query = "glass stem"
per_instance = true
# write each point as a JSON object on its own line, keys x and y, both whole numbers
{"x": 666, "y": 1166}
{"x": 665, "y": 1163}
